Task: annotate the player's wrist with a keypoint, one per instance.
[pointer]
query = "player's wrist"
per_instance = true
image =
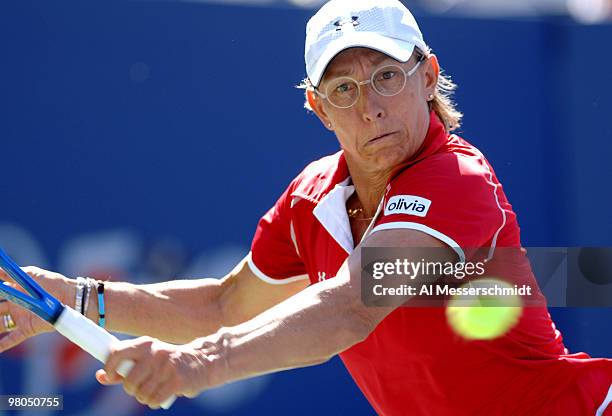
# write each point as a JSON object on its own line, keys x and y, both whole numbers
{"x": 66, "y": 290}
{"x": 69, "y": 294}
{"x": 213, "y": 352}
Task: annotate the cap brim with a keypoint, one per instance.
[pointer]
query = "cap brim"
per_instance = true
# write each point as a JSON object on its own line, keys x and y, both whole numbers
{"x": 397, "y": 49}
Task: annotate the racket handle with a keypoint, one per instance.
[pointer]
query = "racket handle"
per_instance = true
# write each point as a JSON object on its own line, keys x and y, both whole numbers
{"x": 93, "y": 339}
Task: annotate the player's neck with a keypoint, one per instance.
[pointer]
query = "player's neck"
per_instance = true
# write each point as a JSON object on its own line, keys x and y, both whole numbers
{"x": 369, "y": 187}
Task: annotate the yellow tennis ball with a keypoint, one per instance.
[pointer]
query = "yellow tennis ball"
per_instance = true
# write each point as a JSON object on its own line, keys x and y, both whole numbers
{"x": 483, "y": 317}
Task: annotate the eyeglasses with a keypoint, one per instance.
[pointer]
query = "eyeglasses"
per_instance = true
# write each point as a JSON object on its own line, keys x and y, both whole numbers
{"x": 389, "y": 80}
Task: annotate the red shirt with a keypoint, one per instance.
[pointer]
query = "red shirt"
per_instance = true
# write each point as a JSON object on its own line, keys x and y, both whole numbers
{"x": 413, "y": 363}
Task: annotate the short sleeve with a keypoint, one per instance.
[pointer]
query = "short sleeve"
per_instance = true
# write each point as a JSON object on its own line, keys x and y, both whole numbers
{"x": 452, "y": 197}
{"x": 274, "y": 255}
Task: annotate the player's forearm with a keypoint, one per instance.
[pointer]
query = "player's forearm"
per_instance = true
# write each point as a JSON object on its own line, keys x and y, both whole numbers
{"x": 175, "y": 311}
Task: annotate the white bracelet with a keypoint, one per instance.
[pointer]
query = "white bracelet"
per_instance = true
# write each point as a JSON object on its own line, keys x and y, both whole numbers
{"x": 89, "y": 284}
{"x": 80, "y": 289}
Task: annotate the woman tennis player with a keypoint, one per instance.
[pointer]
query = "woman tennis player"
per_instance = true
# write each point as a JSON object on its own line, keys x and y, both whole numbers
{"x": 401, "y": 179}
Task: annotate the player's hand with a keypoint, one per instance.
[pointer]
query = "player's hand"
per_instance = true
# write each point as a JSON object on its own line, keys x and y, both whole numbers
{"x": 160, "y": 370}
{"x": 18, "y": 324}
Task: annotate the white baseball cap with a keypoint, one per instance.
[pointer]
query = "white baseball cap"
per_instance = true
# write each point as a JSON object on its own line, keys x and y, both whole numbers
{"x": 384, "y": 25}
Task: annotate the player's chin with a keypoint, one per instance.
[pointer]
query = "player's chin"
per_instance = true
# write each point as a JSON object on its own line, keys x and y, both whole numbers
{"x": 387, "y": 158}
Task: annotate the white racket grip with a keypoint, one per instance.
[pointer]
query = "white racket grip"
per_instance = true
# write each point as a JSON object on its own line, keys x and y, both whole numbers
{"x": 93, "y": 339}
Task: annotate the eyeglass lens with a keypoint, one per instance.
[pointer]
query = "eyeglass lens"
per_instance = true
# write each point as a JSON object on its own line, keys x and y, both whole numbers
{"x": 344, "y": 92}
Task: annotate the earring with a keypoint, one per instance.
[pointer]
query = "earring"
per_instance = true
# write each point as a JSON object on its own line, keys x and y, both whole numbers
{"x": 430, "y": 97}
{"x": 329, "y": 125}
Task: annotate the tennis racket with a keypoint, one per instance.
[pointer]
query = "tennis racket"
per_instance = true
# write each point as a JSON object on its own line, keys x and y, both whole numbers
{"x": 68, "y": 322}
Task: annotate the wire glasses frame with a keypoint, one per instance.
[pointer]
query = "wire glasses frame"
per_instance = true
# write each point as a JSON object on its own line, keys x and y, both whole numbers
{"x": 340, "y": 92}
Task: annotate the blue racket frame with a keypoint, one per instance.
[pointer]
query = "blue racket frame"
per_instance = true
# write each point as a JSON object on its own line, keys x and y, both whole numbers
{"x": 40, "y": 302}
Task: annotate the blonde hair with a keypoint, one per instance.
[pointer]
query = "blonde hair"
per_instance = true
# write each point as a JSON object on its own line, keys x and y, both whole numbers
{"x": 442, "y": 102}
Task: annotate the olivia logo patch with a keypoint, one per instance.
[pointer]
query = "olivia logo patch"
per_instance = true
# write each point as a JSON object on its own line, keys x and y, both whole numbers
{"x": 407, "y": 204}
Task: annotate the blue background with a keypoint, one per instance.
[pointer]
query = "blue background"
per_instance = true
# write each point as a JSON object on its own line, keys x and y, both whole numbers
{"x": 180, "y": 122}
